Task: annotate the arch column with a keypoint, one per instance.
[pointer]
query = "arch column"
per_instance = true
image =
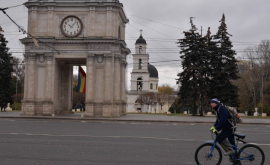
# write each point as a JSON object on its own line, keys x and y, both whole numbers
{"x": 117, "y": 86}
{"x": 108, "y": 99}
{"x": 123, "y": 88}
{"x": 90, "y": 85}
{"x": 48, "y": 104}
{"x": 28, "y": 103}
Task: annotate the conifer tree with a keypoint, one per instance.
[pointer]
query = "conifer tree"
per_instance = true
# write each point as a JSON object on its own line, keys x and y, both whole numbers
{"x": 192, "y": 79}
{"x": 5, "y": 73}
{"x": 224, "y": 68}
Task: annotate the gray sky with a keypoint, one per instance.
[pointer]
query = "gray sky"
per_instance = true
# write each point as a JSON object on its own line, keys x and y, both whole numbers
{"x": 247, "y": 20}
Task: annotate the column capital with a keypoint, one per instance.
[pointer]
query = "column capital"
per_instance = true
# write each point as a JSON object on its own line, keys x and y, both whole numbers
{"x": 49, "y": 56}
{"x": 108, "y": 57}
{"x": 117, "y": 57}
{"x": 92, "y": 8}
{"x": 30, "y": 56}
{"x": 91, "y": 56}
{"x": 124, "y": 63}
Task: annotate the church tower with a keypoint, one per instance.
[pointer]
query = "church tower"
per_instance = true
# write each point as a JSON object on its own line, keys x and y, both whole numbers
{"x": 144, "y": 78}
{"x": 140, "y": 74}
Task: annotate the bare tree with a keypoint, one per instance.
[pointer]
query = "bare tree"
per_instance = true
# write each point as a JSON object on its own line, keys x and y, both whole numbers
{"x": 147, "y": 98}
{"x": 259, "y": 57}
{"x": 19, "y": 68}
{"x": 162, "y": 99}
{"x": 172, "y": 99}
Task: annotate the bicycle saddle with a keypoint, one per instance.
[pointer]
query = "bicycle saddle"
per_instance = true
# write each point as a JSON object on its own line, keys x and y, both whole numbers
{"x": 240, "y": 136}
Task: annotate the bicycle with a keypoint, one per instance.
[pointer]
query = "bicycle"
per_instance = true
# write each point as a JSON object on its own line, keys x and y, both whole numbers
{"x": 211, "y": 152}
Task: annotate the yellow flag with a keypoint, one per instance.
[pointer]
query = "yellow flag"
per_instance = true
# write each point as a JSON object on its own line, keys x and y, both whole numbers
{"x": 35, "y": 42}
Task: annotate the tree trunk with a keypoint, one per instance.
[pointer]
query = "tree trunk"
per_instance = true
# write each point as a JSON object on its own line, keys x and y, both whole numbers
{"x": 201, "y": 105}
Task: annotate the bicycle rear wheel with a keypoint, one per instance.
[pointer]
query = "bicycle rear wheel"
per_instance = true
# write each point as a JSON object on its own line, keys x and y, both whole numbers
{"x": 202, "y": 153}
{"x": 253, "y": 153}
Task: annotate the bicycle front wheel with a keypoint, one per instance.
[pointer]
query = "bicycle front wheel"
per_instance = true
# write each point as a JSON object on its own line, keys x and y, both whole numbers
{"x": 251, "y": 154}
{"x": 203, "y": 156}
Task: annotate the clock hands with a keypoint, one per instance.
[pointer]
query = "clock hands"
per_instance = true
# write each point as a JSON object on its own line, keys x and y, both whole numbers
{"x": 73, "y": 25}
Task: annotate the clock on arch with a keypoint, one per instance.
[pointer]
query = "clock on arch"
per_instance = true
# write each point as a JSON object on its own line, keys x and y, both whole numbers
{"x": 71, "y": 26}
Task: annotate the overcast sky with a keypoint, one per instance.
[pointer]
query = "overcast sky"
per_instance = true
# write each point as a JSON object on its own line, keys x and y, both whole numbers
{"x": 163, "y": 22}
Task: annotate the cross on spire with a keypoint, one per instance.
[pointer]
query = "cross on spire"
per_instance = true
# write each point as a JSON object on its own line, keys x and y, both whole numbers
{"x": 141, "y": 32}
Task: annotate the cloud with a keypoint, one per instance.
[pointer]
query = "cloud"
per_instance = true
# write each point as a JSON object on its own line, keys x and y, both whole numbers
{"x": 247, "y": 21}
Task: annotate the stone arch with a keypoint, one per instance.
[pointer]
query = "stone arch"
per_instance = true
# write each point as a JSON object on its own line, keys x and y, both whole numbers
{"x": 139, "y": 84}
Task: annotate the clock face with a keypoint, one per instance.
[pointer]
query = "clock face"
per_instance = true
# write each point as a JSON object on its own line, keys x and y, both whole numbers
{"x": 71, "y": 26}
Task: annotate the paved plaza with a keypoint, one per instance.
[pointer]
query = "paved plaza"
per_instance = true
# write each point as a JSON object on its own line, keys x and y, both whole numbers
{"x": 42, "y": 141}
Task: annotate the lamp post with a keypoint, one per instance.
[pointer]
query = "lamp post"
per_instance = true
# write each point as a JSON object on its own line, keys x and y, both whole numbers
{"x": 141, "y": 87}
{"x": 16, "y": 94}
{"x": 262, "y": 94}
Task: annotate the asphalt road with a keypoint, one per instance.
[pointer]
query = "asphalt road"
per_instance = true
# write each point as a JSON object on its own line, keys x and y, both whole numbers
{"x": 56, "y": 142}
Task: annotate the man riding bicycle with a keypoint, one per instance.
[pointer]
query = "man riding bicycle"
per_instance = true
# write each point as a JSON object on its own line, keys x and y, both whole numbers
{"x": 223, "y": 124}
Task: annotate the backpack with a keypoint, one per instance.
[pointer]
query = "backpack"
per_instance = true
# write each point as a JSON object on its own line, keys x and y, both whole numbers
{"x": 235, "y": 117}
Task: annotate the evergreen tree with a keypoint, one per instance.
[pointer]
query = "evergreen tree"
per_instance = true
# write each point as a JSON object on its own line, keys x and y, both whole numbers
{"x": 193, "y": 78}
{"x": 5, "y": 73}
{"x": 224, "y": 68}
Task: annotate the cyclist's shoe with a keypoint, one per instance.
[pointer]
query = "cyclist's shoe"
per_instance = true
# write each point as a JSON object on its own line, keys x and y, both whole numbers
{"x": 228, "y": 146}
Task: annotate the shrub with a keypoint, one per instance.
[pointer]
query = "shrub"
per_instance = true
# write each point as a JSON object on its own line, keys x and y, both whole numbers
{"x": 266, "y": 109}
{"x": 19, "y": 97}
{"x": 18, "y": 106}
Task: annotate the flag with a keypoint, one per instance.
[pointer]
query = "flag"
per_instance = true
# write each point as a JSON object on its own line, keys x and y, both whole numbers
{"x": 35, "y": 42}
{"x": 81, "y": 80}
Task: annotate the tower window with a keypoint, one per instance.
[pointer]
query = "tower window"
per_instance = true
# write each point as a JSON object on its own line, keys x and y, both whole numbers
{"x": 151, "y": 86}
{"x": 140, "y": 63}
{"x": 157, "y": 86}
{"x": 139, "y": 84}
{"x": 140, "y": 50}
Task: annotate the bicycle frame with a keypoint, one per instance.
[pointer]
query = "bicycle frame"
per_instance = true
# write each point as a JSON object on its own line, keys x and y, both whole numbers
{"x": 235, "y": 147}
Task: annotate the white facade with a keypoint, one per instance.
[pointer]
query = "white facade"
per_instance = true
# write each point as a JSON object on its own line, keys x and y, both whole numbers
{"x": 148, "y": 75}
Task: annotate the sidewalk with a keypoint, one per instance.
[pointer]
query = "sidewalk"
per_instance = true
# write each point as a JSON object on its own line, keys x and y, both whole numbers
{"x": 136, "y": 118}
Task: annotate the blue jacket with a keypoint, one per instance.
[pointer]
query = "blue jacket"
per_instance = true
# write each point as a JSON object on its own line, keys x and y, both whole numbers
{"x": 222, "y": 118}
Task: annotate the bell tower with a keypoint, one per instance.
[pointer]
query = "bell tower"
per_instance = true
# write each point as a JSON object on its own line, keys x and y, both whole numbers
{"x": 140, "y": 74}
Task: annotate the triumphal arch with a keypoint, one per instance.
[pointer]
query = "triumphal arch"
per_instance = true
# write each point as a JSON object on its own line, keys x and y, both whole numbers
{"x": 75, "y": 32}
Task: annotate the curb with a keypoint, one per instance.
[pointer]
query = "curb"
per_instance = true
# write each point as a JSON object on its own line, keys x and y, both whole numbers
{"x": 116, "y": 120}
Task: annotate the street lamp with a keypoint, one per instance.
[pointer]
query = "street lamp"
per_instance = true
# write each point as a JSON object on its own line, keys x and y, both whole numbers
{"x": 16, "y": 93}
{"x": 140, "y": 88}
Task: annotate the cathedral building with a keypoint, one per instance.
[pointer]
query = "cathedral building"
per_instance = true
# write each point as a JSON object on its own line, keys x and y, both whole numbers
{"x": 144, "y": 79}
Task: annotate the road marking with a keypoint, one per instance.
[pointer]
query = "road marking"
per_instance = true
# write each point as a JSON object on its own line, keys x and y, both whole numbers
{"x": 260, "y": 144}
{"x": 131, "y": 137}
{"x": 83, "y": 121}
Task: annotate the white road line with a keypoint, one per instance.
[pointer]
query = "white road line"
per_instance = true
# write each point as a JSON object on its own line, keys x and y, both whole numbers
{"x": 260, "y": 144}
{"x": 132, "y": 137}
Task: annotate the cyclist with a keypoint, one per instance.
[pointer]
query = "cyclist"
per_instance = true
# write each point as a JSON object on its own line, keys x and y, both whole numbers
{"x": 223, "y": 124}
